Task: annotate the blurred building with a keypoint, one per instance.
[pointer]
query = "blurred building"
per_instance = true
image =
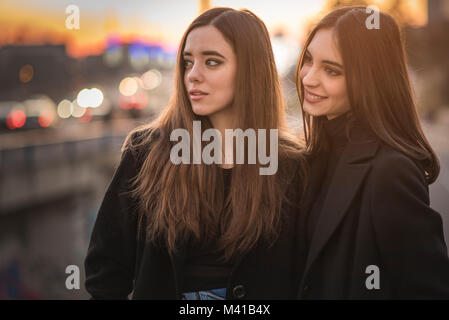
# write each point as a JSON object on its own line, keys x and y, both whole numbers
{"x": 428, "y": 53}
{"x": 47, "y": 69}
{"x": 29, "y": 70}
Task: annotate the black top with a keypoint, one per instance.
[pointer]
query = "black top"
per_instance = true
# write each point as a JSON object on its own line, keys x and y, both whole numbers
{"x": 335, "y": 130}
{"x": 204, "y": 265}
{"x": 118, "y": 262}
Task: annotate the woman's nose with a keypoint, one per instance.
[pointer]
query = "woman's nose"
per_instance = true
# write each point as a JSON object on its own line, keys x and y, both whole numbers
{"x": 309, "y": 77}
{"x": 195, "y": 74}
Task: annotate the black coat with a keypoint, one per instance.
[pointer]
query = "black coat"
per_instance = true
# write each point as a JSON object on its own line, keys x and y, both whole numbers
{"x": 376, "y": 213}
{"x": 117, "y": 263}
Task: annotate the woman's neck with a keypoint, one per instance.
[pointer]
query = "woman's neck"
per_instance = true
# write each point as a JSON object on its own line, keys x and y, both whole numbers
{"x": 221, "y": 121}
{"x": 336, "y": 131}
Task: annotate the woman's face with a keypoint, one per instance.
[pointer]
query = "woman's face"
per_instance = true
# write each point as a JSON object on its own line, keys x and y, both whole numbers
{"x": 323, "y": 78}
{"x": 210, "y": 71}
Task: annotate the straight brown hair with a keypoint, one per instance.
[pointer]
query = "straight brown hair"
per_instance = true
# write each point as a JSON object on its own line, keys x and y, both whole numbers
{"x": 378, "y": 86}
{"x": 182, "y": 202}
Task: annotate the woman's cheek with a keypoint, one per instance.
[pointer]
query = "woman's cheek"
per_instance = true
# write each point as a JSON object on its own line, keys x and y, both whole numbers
{"x": 226, "y": 82}
{"x": 334, "y": 87}
{"x": 303, "y": 72}
{"x": 340, "y": 88}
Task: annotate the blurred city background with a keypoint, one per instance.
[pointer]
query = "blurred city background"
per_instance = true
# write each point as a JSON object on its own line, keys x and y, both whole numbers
{"x": 69, "y": 95}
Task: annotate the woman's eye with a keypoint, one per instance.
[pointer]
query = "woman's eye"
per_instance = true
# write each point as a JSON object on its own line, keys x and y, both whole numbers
{"x": 187, "y": 63}
{"x": 307, "y": 59}
{"x": 332, "y": 72}
{"x": 212, "y": 62}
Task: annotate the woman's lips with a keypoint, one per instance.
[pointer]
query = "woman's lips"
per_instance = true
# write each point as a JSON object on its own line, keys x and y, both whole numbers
{"x": 196, "y": 95}
{"x": 313, "y": 98}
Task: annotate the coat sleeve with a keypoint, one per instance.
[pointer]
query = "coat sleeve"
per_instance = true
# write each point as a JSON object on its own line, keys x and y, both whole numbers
{"x": 408, "y": 232}
{"x": 110, "y": 260}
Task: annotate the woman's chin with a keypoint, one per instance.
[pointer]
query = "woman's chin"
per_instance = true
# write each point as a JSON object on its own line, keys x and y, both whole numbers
{"x": 201, "y": 110}
{"x": 313, "y": 111}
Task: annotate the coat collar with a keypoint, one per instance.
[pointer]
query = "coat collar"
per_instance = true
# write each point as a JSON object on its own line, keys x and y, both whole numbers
{"x": 350, "y": 172}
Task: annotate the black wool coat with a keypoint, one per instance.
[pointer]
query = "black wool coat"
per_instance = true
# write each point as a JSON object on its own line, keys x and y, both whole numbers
{"x": 376, "y": 213}
{"x": 117, "y": 263}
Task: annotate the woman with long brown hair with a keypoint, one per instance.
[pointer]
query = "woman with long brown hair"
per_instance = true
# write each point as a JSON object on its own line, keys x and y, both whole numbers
{"x": 369, "y": 230}
{"x": 182, "y": 230}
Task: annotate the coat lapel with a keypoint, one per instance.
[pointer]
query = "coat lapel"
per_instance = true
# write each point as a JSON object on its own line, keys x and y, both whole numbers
{"x": 317, "y": 170}
{"x": 348, "y": 177}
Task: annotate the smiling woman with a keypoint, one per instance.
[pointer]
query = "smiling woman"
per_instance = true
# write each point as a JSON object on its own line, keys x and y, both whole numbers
{"x": 367, "y": 205}
{"x": 323, "y": 78}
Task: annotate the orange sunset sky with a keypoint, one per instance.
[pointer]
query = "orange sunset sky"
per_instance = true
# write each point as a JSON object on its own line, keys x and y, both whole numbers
{"x": 43, "y": 21}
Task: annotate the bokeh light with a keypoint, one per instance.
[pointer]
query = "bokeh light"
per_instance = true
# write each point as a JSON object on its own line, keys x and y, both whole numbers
{"x": 77, "y": 110}
{"x": 95, "y": 98}
{"x": 151, "y": 79}
{"x": 128, "y": 86}
{"x": 64, "y": 110}
{"x": 86, "y": 117}
{"x": 90, "y": 98}
{"x": 137, "y": 101}
{"x": 46, "y": 118}
{"x": 15, "y": 119}
{"x": 26, "y": 73}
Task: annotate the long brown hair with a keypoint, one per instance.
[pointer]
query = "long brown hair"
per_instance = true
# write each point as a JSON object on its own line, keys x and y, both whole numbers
{"x": 378, "y": 86}
{"x": 182, "y": 202}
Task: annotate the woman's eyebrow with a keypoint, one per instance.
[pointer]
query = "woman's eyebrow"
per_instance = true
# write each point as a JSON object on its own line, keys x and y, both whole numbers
{"x": 205, "y": 53}
{"x": 333, "y": 63}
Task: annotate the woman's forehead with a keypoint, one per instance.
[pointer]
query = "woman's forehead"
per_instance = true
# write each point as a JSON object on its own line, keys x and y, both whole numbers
{"x": 324, "y": 46}
{"x": 206, "y": 38}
